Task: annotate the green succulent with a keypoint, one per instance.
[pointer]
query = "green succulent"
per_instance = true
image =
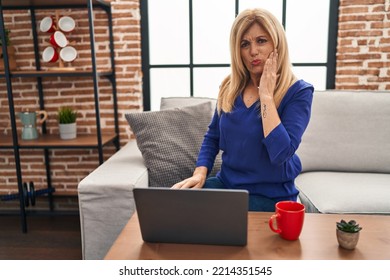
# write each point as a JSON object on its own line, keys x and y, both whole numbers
{"x": 351, "y": 226}
{"x": 67, "y": 115}
{"x": 7, "y": 40}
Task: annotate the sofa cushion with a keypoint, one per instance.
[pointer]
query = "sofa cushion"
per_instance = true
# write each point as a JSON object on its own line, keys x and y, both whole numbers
{"x": 340, "y": 192}
{"x": 348, "y": 131}
{"x": 169, "y": 141}
{"x": 178, "y": 102}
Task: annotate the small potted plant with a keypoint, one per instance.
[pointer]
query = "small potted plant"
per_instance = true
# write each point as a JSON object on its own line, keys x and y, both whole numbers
{"x": 348, "y": 234}
{"x": 67, "y": 123}
{"x": 10, "y": 51}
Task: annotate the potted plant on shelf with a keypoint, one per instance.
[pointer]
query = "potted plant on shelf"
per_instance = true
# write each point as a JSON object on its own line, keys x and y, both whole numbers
{"x": 67, "y": 123}
{"x": 348, "y": 234}
{"x": 10, "y": 52}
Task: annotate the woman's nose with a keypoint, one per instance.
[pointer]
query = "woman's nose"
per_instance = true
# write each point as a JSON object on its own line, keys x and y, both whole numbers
{"x": 253, "y": 50}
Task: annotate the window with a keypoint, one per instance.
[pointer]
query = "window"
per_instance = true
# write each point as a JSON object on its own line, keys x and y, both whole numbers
{"x": 185, "y": 43}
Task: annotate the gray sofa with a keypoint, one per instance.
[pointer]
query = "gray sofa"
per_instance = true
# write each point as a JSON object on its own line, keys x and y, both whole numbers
{"x": 345, "y": 154}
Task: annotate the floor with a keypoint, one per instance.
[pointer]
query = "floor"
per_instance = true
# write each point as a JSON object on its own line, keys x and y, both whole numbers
{"x": 48, "y": 237}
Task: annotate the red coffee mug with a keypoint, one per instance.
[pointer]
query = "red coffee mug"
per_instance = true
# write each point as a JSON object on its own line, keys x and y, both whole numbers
{"x": 289, "y": 217}
{"x": 47, "y": 25}
{"x": 68, "y": 54}
{"x": 49, "y": 55}
{"x": 66, "y": 24}
{"x": 58, "y": 39}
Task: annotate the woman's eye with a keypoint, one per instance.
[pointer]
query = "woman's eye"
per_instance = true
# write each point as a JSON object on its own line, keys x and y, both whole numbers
{"x": 261, "y": 40}
{"x": 244, "y": 44}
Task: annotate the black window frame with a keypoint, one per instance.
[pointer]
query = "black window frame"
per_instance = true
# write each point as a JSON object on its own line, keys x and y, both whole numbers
{"x": 145, "y": 56}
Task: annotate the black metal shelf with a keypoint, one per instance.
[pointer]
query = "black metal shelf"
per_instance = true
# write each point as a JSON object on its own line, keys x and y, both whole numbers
{"x": 46, "y": 141}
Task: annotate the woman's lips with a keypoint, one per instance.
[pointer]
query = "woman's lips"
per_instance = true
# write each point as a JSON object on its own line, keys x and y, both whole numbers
{"x": 256, "y": 62}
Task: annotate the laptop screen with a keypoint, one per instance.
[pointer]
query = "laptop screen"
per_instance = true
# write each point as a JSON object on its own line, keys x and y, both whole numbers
{"x": 197, "y": 216}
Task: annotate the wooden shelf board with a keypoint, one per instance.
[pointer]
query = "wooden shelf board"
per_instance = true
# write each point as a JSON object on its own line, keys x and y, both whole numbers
{"x": 42, "y": 73}
{"x": 54, "y": 141}
{"x": 44, "y": 3}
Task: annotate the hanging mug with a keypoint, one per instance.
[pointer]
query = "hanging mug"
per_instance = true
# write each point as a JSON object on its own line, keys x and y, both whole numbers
{"x": 58, "y": 39}
{"x": 66, "y": 24}
{"x": 50, "y": 54}
{"x": 47, "y": 25}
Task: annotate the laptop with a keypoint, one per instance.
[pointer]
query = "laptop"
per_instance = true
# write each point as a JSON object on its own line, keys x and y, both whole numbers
{"x": 193, "y": 216}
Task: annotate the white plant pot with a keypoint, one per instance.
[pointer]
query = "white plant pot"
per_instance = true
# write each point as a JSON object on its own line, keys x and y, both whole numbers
{"x": 68, "y": 131}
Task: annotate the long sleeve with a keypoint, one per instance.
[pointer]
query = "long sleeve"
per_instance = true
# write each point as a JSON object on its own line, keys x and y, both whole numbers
{"x": 210, "y": 145}
{"x": 284, "y": 140}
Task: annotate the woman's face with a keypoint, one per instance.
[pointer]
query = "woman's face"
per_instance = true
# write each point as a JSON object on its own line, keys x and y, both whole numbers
{"x": 256, "y": 46}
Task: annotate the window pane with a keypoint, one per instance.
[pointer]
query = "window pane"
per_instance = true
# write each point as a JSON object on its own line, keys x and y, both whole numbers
{"x": 208, "y": 80}
{"x": 212, "y": 21}
{"x": 167, "y": 82}
{"x": 315, "y": 75}
{"x": 274, "y": 6}
{"x": 168, "y": 31}
{"x": 307, "y": 32}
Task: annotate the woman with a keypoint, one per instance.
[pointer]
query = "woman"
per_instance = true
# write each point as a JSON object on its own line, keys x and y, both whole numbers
{"x": 262, "y": 113}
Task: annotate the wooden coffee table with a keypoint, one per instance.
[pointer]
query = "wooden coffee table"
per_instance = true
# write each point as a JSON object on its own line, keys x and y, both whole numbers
{"x": 317, "y": 242}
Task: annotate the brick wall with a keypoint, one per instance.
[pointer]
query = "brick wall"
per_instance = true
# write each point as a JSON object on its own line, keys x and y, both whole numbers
{"x": 362, "y": 63}
{"x": 70, "y": 166}
{"x": 363, "y": 52}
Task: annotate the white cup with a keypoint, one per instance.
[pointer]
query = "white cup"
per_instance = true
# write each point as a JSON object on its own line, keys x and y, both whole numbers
{"x": 47, "y": 25}
{"x": 49, "y": 55}
{"x": 66, "y": 24}
{"x": 58, "y": 39}
{"x": 68, "y": 54}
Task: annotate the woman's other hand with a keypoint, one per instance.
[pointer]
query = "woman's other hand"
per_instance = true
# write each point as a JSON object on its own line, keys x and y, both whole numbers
{"x": 196, "y": 181}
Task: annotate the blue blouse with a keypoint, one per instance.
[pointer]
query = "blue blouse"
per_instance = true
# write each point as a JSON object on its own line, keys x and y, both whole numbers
{"x": 263, "y": 166}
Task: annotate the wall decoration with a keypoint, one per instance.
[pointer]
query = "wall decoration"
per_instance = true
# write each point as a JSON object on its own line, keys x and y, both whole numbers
{"x": 59, "y": 49}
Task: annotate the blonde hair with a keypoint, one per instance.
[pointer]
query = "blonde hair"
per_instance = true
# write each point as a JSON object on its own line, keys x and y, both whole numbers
{"x": 235, "y": 83}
